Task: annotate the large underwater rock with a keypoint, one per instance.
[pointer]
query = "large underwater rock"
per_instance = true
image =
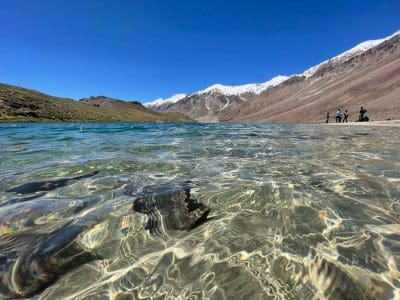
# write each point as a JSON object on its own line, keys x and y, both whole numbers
{"x": 33, "y": 259}
{"x": 179, "y": 210}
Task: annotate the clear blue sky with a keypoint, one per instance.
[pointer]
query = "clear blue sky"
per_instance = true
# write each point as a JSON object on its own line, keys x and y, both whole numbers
{"x": 144, "y": 49}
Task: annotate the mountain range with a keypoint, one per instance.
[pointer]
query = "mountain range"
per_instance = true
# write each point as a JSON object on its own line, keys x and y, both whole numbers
{"x": 367, "y": 75}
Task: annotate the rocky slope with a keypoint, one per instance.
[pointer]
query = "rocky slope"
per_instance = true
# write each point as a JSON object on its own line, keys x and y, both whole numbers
{"x": 103, "y": 101}
{"x": 370, "y": 79}
{"x": 366, "y": 75}
{"x": 19, "y": 104}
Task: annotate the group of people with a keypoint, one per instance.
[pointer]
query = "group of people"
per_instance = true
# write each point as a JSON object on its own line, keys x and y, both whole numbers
{"x": 343, "y": 116}
{"x": 340, "y": 116}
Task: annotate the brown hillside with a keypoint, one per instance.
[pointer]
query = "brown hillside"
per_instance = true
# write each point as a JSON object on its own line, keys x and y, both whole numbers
{"x": 19, "y": 104}
{"x": 371, "y": 79}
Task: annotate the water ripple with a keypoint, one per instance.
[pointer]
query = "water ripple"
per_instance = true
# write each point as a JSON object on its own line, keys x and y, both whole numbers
{"x": 297, "y": 211}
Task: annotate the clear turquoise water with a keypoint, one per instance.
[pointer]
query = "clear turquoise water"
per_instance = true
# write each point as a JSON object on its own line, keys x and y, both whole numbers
{"x": 298, "y": 211}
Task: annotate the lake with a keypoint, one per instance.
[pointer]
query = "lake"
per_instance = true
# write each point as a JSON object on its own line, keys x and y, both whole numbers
{"x": 199, "y": 211}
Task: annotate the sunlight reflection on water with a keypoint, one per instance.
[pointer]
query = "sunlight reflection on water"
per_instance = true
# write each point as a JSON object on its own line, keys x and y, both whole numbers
{"x": 297, "y": 211}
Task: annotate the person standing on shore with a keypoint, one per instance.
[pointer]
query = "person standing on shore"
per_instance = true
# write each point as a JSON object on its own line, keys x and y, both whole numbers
{"x": 327, "y": 117}
{"x": 338, "y": 116}
{"x": 345, "y": 116}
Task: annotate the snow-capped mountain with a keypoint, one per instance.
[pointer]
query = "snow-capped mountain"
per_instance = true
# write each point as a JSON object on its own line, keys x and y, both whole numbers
{"x": 250, "y": 88}
{"x": 244, "y": 102}
{"x": 163, "y": 102}
{"x": 254, "y": 88}
{"x": 360, "y": 48}
{"x": 367, "y": 75}
{"x": 257, "y": 88}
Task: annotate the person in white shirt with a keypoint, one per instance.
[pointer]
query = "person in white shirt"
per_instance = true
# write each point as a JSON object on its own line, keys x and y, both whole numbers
{"x": 338, "y": 116}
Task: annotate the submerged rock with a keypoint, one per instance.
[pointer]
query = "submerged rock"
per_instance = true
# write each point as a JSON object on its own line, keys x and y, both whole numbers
{"x": 41, "y": 186}
{"x": 179, "y": 211}
{"x": 31, "y": 261}
{"x": 34, "y": 259}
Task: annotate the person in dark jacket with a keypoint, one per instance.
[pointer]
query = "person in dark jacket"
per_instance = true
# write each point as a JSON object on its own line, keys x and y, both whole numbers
{"x": 345, "y": 116}
{"x": 362, "y": 113}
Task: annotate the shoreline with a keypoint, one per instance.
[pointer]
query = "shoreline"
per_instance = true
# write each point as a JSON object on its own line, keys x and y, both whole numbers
{"x": 390, "y": 123}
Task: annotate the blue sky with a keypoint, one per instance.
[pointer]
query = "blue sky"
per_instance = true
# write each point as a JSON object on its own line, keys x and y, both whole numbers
{"x": 142, "y": 50}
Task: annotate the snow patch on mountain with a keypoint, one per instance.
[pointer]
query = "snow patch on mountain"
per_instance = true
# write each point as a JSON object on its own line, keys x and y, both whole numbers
{"x": 360, "y": 48}
{"x": 161, "y": 101}
{"x": 254, "y": 88}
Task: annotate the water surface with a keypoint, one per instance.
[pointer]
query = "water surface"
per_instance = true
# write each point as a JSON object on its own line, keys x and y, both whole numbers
{"x": 297, "y": 211}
